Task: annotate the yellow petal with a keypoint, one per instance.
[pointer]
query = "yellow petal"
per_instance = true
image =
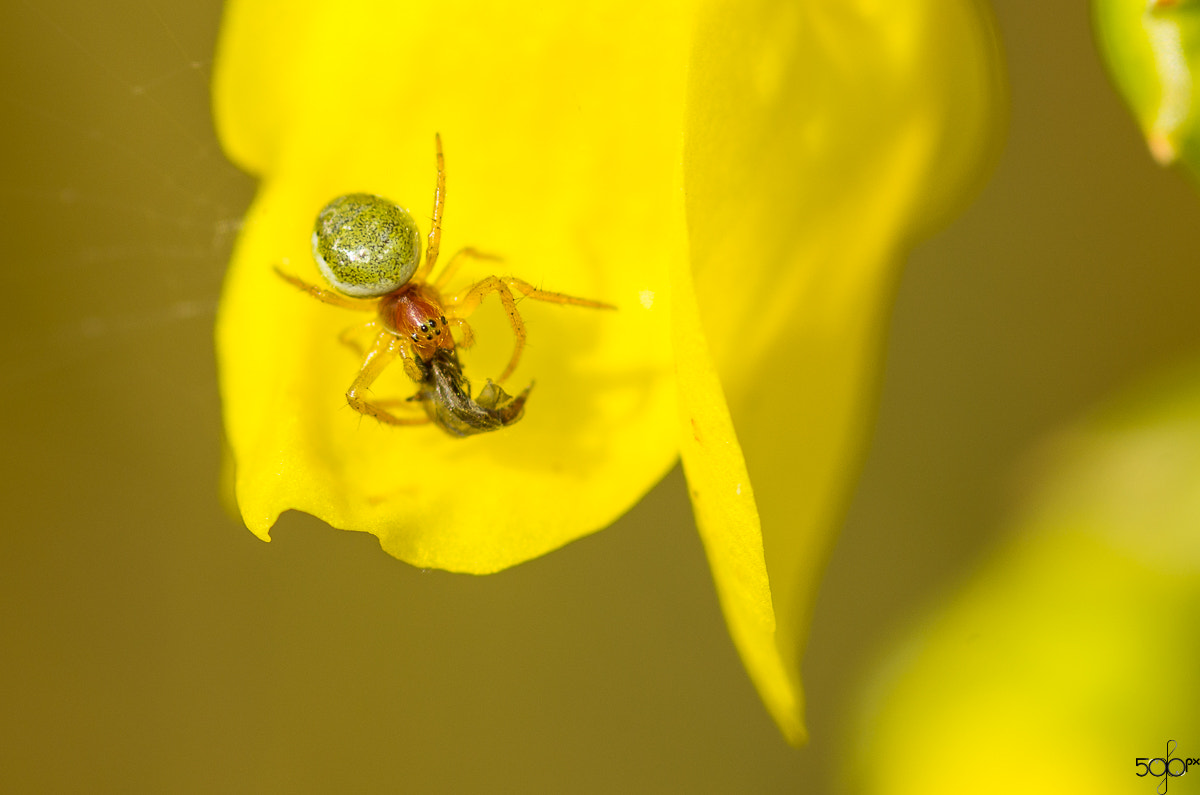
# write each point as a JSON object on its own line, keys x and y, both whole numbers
{"x": 822, "y": 138}
{"x": 726, "y": 515}
{"x": 1073, "y": 652}
{"x": 562, "y": 135}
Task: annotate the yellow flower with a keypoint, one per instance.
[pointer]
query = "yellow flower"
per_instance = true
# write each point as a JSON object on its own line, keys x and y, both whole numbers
{"x": 1073, "y": 652}
{"x": 740, "y": 179}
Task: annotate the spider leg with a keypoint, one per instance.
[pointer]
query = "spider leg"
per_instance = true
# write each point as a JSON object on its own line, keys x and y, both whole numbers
{"x": 468, "y": 336}
{"x": 387, "y": 346}
{"x": 463, "y": 304}
{"x": 408, "y": 359}
{"x": 327, "y": 296}
{"x": 347, "y": 336}
{"x": 409, "y": 402}
{"x": 435, "y": 230}
{"x": 456, "y": 261}
{"x": 529, "y": 291}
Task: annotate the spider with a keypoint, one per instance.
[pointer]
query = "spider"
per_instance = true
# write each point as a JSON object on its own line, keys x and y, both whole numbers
{"x": 368, "y": 249}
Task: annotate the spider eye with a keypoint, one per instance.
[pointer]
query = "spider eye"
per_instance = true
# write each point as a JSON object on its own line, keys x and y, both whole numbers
{"x": 365, "y": 245}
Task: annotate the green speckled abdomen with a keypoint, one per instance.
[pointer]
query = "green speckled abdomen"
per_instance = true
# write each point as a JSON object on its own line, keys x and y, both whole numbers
{"x": 365, "y": 245}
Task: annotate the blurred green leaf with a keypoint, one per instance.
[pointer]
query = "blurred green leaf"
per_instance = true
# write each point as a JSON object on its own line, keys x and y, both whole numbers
{"x": 1152, "y": 49}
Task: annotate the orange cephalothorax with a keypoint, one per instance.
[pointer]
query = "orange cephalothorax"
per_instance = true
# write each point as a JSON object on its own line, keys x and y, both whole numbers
{"x": 415, "y": 312}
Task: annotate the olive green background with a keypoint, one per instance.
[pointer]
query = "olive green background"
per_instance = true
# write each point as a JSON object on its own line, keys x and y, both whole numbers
{"x": 151, "y": 644}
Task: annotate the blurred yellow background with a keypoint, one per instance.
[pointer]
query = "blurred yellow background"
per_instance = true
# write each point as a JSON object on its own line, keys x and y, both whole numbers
{"x": 152, "y": 644}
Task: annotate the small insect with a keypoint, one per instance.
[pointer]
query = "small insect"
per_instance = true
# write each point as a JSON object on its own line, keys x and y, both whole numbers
{"x": 368, "y": 249}
{"x": 445, "y": 394}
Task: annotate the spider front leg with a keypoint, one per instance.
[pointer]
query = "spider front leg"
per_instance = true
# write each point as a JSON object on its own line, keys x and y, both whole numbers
{"x": 435, "y": 228}
{"x": 463, "y": 304}
{"x": 347, "y": 337}
{"x": 456, "y": 262}
{"x": 386, "y": 348}
{"x": 464, "y": 328}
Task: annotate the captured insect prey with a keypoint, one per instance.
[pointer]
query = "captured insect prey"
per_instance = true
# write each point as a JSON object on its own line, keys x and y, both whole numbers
{"x": 369, "y": 250}
{"x": 446, "y": 395}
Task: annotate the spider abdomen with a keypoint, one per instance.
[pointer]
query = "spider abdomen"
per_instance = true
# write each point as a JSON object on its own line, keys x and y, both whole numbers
{"x": 365, "y": 245}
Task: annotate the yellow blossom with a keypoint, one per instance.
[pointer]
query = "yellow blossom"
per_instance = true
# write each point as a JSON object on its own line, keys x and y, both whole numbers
{"x": 740, "y": 179}
{"x": 1073, "y": 651}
